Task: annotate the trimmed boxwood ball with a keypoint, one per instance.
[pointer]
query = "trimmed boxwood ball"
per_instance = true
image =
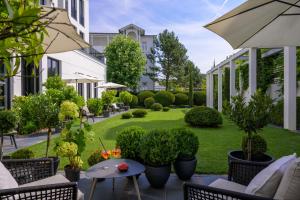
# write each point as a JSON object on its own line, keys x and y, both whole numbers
{"x": 134, "y": 101}
{"x": 203, "y": 117}
{"x": 165, "y": 98}
{"x": 181, "y": 99}
{"x": 139, "y": 113}
{"x": 127, "y": 115}
{"x": 200, "y": 98}
{"x": 144, "y": 95}
{"x": 22, "y": 154}
{"x": 166, "y": 109}
{"x": 156, "y": 107}
{"x": 129, "y": 140}
{"x": 149, "y": 102}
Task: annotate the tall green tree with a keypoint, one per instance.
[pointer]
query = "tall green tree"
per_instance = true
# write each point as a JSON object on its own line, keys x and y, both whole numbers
{"x": 170, "y": 54}
{"x": 191, "y": 68}
{"x": 125, "y": 61}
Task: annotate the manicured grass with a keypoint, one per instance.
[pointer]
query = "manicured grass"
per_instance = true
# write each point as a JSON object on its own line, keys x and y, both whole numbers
{"x": 214, "y": 142}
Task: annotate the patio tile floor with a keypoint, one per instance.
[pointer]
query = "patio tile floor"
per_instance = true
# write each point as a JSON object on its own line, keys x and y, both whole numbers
{"x": 124, "y": 189}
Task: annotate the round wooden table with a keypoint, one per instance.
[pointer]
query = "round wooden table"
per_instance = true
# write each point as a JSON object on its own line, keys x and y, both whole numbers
{"x": 108, "y": 169}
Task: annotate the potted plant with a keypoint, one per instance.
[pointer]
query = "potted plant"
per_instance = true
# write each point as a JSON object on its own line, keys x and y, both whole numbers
{"x": 158, "y": 151}
{"x": 251, "y": 117}
{"x": 187, "y": 147}
{"x": 126, "y": 98}
{"x": 108, "y": 98}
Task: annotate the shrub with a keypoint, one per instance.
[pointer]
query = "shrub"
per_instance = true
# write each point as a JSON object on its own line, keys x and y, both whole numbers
{"x": 134, "y": 102}
{"x": 129, "y": 140}
{"x": 68, "y": 110}
{"x": 29, "y": 127}
{"x": 149, "y": 102}
{"x": 200, "y": 98}
{"x": 187, "y": 143}
{"x": 95, "y": 158}
{"x": 127, "y": 115}
{"x": 258, "y": 145}
{"x": 203, "y": 116}
{"x": 108, "y": 97}
{"x": 277, "y": 113}
{"x": 166, "y": 109}
{"x": 165, "y": 98}
{"x": 54, "y": 82}
{"x": 158, "y": 148}
{"x": 22, "y": 154}
{"x": 125, "y": 97}
{"x": 181, "y": 99}
{"x": 156, "y": 107}
{"x": 144, "y": 95}
{"x": 139, "y": 113}
{"x": 8, "y": 121}
{"x": 94, "y": 106}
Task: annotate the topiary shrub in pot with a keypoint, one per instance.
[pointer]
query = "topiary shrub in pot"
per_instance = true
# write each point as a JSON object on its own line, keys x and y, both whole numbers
{"x": 156, "y": 107}
{"x": 187, "y": 144}
{"x": 203, "y": 117}
{"x": 127, "y": 115}
{"x": 140, "y": 113}
{"x": 181, "y": 99}
{"x": 95, "y": 106}
{"x": 149, "y": 102}
{"x": 158, "y": 151}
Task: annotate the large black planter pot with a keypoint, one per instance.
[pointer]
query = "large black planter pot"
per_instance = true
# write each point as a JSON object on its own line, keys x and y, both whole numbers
{"x": 158, "y": 176}
{"x": 72, "y": 175}
{"x": 185, "y": 168}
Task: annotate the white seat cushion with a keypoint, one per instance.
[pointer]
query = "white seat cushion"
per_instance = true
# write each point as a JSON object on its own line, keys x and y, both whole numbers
{"x": 53, "y": 180}
{"x": 266, "y": 182}
{"x": 7, "y": 181}
{"x": 289, "y": 187}
{"x": 228, "y": 185}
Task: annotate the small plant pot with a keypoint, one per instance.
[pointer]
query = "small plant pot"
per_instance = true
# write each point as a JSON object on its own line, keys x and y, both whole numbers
{"x": 106, "y": 114}
{"x": 185, "y": 169}
{"x": 72, "y": 175}
{"x": 158, "y": 176}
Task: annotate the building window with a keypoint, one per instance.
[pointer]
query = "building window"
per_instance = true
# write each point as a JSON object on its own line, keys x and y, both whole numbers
{"x": 144, "y": 46}
{"x": 74, "y": 9}
{"x": 43, "y": 2}
{"x": 80, "y": 89}
{"x": 88, "y": 90}
{"x": 95, "y": 90}
{"x": 30, "y": 79}
{"x": 67, "y": 5}
{"x": 81, "y": 34}
{"x": 53, "y": 67}
{"x": 81, "y": 12}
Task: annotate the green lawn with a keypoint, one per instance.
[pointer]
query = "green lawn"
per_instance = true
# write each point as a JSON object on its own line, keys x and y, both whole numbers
{"x": 214, "y": 142}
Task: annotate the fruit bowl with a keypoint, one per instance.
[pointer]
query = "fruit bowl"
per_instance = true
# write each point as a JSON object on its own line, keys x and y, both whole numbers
{"x": 123, "y": 167}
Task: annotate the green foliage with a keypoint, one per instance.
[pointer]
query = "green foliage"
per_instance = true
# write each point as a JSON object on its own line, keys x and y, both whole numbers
{"x": 28, "y": 128}
{"x": 127, "y": 115}
{"x": 243, "y": 73}
{"x": 200, "y": 98}
{"x": 203, "y": 117}
{"x": 129, "y": 140}
{"x": 22, "y": 154}
{"x": 166, "y": 109}
{"x": 265, "y": 71}
{"x": 258, "y": 145}
{"x": 191, "y": 83}
{"x": 7, "y": 121}
{"x": 125, "y": 97}
{"x": 134, "y": 102}
{"x": 55, "y": 82}
{"x": 226, "y": 84}
{"x": 108, "y": 97}
{"x": 165, "y": 98}
{"x": 94, "y": 106}
{"x": 140, "y": 113}
{"x": 95, "y": 158}
{"x": 181, "y": 99}
{"x": 156, "y": 107}
{"x": 149, "y": 102}
{"x": 187, "y": 143}
{"x": 125, "y": 61}
{"x": 68, "y": 111}
{"x": 144, "y": 95}
{"x": 158, "y": 148}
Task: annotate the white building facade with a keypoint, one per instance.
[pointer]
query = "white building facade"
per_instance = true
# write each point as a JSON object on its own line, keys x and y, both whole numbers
{"x": 65, "y": 65}
{"x": 100, "y": 40}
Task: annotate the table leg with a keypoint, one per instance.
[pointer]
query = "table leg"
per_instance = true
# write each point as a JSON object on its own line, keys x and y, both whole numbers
{"x": 93, "y": 186}
{"x": 113, "y": 182}
{"x": 136, "y": 187}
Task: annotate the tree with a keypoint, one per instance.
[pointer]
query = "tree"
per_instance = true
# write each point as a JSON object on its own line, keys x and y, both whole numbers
{"x": 191, "y": 68}
{"x": 170, "y": 54}
{"x": 125, "y": 61}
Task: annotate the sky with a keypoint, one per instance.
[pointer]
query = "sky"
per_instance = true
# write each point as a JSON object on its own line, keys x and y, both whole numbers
{"x": 185, "y": 17}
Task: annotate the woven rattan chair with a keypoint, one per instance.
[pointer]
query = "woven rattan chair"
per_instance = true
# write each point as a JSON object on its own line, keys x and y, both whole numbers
{"x": 30, "y": 170}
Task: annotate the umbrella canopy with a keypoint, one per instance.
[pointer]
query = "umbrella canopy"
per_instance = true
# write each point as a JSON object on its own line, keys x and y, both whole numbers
{"x": 78, "y": 77}
{"x": 260, "y": 23}
{"x": 110, "y": 85}
{"x": 62, "y": 35}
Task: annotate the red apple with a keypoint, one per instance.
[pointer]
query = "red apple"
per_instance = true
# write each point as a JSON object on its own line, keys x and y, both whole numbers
{"x": 123, "y": 167}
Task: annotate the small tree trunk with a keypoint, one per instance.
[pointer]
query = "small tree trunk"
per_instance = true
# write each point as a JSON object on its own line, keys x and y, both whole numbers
{"x": 167, "y": 83}
{"x": 249, "y": 144}
{"x": 48, "y": 141}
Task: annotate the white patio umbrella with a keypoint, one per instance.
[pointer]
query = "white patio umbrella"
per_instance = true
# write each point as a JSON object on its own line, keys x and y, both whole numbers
{"x": 260, "y": 23}
{"x": 78, "y": 77}
{"x": 111, "y": 85}
{"x": 62, "y": 35}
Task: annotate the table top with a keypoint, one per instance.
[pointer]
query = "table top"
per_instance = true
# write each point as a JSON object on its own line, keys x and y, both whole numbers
{"x": 108, "y": 169}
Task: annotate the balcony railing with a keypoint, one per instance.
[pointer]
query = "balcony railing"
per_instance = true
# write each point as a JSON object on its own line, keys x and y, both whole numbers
{"x": 94, "y": 53}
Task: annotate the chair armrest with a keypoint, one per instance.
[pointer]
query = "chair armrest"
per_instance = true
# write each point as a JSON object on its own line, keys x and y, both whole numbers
{"x": 62, "y": 191}
{"x": 202, "y": 192}
{"x": 29, "y": 170}
{"x": 244, "y": 172}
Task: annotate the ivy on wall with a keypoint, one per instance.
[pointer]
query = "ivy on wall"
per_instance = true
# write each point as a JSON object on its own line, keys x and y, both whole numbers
{"x": 226, "y": 84}
{"x": 215, "y": 79}
{"x": 242, "y": 71}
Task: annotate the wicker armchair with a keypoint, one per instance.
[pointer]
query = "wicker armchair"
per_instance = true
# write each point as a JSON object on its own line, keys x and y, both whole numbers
{"x": 30, "y": 170}
{"x": 202, "y": 192}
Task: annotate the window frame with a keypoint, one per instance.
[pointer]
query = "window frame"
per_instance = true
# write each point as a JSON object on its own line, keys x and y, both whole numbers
{"x": 50, "y": 62}
{"x": 96, "y": 90}
{"x": 74, "y": 9}
{"x": 81, "y": 12}
{"x": 88, "y": 91}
